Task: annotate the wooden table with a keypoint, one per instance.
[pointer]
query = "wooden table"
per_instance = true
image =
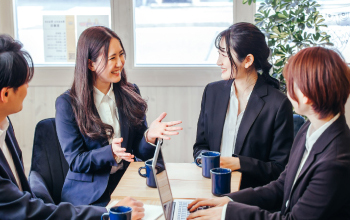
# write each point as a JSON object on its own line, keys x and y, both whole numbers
{"x": 186, "y": 181}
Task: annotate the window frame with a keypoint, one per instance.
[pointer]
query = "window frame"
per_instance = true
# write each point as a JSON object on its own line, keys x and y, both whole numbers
{"x": 122, "y": 22}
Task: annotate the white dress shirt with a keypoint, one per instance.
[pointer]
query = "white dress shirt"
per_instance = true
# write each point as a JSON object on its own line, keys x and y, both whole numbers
{"x": 231, "y": 125}
{"x": 309, "y": 143}
{"x": 3, "y": 128}
{"x": 108, "y": 112}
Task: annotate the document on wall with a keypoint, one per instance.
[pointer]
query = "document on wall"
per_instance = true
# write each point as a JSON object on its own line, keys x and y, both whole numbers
{"x": 59, "y": 38}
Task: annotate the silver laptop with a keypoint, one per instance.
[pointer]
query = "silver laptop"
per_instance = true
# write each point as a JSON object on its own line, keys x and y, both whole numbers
{"x": 173, "y": 209}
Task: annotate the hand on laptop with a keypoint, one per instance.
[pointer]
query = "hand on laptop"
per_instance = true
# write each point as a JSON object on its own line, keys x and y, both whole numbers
{"x": 119, "y": 152}
{"x": 212, "y": 214}
{"x": 159, "y": 129}
{"x": 217, "y": 202}
{"x": 138, "y": 211}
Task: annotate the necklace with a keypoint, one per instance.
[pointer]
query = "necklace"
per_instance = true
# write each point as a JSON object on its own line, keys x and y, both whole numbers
{"x": 241, "y": 95}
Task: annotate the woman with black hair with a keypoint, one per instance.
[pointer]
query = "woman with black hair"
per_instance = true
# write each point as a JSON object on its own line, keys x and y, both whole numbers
{"x": 101, "y": 122}
{"x": 245, "y": 117}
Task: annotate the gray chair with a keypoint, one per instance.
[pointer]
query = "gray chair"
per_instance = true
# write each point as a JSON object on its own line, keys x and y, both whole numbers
{"x": 49, "y": 167}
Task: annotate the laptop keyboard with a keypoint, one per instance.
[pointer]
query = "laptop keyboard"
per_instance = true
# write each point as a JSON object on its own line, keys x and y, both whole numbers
{"x": 182, "y": 210}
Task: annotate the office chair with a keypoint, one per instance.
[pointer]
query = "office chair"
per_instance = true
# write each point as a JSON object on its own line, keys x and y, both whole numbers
{"x": 49, "y": 167}
{"x": 298, "y": 121}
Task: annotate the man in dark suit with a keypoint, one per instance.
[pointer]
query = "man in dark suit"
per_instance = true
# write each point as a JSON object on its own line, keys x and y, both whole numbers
{"x": 17, "y": 200}
{"x": 315, "y": 183}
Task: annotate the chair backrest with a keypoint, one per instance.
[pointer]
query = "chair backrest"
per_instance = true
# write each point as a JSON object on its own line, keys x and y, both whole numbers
{"x": 298, "y": 121}
{"x": 48, "y": 159}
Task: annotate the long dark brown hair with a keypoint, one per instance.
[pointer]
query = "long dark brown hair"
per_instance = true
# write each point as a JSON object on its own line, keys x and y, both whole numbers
{"x": 245, "y": 38}
{"x": 92, "y": 43}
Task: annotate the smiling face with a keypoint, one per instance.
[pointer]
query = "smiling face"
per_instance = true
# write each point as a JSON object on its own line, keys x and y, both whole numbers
{"x": 111, "y": 71}
{"x": 224, "y": 62}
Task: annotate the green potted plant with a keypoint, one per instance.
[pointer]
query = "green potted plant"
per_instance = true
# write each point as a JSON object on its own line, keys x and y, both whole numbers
{"x": 289, "y": 25}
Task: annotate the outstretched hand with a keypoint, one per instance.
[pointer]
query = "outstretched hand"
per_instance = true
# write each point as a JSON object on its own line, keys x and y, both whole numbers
{"x": 159, "y": 129}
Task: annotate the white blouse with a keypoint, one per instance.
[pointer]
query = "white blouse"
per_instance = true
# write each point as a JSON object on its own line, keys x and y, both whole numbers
{"x": 108, "y": 112}
{"x": 231, "y": 125}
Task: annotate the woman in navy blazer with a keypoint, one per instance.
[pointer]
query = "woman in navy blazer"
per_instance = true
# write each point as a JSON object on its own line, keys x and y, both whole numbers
{"x": 257, "y": 142}
{"x": 315, "y": 183}
{"x": 99, "y": 142}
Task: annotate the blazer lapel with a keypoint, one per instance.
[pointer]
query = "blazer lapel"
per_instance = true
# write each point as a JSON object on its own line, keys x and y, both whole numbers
{"x": 219, "y": 114}
{"x": 322, "y": 142}
{"x": 124, "y": 129}
{"x": 6, "y": 167}
{"x": 12, "y": 145}
{"x": 254, "y": 107}
{"x": 293, "y": 164}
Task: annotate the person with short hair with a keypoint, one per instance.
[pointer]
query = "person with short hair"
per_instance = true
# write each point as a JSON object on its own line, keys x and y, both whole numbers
{"x": 315, "y": 183}
{"x": 245, "y": 116}
{"x": 17, "y": 201}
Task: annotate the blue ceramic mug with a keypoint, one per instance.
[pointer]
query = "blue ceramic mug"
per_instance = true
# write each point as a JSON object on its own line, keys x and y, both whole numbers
{"x": 149, "y": 174}
{"x": 209, "y": 160}
{"x": 220, "y": 181}
{"x": 118, "y": 213}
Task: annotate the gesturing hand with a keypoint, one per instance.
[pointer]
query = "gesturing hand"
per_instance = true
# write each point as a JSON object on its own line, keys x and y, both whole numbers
{"x": 159, "y": 129}
{"x": 118, "y": 151}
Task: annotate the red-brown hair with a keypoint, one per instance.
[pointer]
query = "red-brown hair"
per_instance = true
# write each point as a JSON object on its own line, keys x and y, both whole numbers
{"x": 322, "y": 76}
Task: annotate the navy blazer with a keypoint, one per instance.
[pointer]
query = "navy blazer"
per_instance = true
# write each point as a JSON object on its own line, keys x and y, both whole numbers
{"x": 90, "y": 161}
{"x": 320, "y": 192}
{"x": 265, "y": 135}
{"x": 16, "y": 204}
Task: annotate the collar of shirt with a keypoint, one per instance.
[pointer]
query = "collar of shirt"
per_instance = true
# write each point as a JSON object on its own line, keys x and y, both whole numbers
{"x": 99, "y": 96}
{"x": 311, "y": 139}
{"x": 233, "y": 91}
{"x": 3, "y": 128}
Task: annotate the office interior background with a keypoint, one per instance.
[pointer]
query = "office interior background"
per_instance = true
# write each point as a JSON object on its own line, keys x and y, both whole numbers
{"x": 169, "y": 46}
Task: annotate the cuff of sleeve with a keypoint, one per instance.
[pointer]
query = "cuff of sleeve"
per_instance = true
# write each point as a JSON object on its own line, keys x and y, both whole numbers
{"x": 118, "y": 159}
{"x": 223, "y": 213}
{"x": 229, "y": 198}
{"x": 198, "y": 160}
{"x": 145, "y": 135}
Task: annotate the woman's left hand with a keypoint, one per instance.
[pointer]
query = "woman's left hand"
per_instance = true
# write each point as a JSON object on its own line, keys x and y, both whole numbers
{"x": 159, "y": 129}
{"x": 230, "y": 162}
{"x": 210, "y": 214}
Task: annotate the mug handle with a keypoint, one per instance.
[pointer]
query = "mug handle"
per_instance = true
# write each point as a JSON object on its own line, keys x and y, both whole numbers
{"x": 198, "y": 161}
{"x": 103, "y": 216}
{"x": 143, "y": 175}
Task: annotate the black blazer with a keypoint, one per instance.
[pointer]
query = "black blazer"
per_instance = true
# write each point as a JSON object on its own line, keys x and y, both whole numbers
{"x": 90, "y": 161}
{"x": 321, "y": 191}
{"x": 16, "y": 204}
{"x": 265, "y": 135}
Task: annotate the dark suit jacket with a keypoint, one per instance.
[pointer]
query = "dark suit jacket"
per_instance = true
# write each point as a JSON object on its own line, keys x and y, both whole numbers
{"x": 15, "y": 204}
{"x": 321, "y": 191}
{"x": 90, "y": 161}
{"x": 265, "y": 135}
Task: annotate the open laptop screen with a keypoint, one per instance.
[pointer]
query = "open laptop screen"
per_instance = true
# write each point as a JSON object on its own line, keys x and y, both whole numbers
{"x": 162, "y": 181}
